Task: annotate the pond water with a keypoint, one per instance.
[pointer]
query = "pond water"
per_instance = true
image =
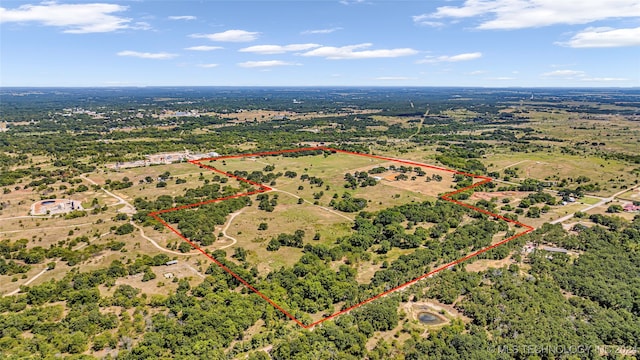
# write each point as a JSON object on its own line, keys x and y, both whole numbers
{"x": 48, "y": 202}
{"x": 428, "y": 318}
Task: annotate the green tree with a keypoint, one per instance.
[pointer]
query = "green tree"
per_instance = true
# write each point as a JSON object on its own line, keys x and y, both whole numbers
{"x": 185, "y": 247}
{"x": 614, "y": 208}
{"x": 124, "y": 229}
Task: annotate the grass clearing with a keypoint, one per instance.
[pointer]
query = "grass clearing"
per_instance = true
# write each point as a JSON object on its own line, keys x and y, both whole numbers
{"x": 286, "y": 217}
{"x": 554, "y": 166}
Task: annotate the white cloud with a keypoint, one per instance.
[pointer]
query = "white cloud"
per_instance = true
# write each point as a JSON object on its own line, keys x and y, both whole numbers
{"x": 354, "y": 52}
{"x": 230, "y": 36}
{"x": 567, "y": 74}
{"x": 141, "y": 25}
{"x": 394, "y": 78}
{"x": 147, "y": 55}
{"x": 204, "y": 48}
{"x": 425, "y": 22}
{"x": 321, "y": 31}
{"x": 207, "y": 66}
{"x": 604, "y": 37}
{"x": 351, "y": 2}
{"x": 452, "y": 58}
{"x": 519, "y": 14}
{"x": 73, "y": 18}
{"x": 580, "y": 76}
{"x": 278, "y": 49}
{"x": 182, "y": 17}
{"x": 604, "y": 79}
{"x": 265, "y": 64}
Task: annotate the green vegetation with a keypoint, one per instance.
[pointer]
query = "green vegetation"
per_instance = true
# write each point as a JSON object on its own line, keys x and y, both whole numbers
{"x": 98, "y": 288}
{"x": 348, "y": 203}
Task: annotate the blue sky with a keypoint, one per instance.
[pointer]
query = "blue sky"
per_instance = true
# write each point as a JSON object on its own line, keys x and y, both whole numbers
{"x": 493, "y": 43}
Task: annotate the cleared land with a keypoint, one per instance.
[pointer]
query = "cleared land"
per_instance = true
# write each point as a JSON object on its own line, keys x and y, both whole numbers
{"x": 356, "y": 181}
{"x": 315, "y": 215}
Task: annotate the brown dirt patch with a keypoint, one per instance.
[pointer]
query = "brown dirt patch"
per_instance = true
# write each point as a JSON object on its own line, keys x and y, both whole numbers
{"x": 481, "y": 195}
{"x": 484, "y": 264}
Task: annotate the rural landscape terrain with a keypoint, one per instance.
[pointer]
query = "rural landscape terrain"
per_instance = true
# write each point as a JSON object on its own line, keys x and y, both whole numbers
{"x": 319, "y": 223}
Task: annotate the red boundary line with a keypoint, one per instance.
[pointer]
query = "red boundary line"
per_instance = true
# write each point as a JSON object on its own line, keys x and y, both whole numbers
{"x": 262, "y": 188}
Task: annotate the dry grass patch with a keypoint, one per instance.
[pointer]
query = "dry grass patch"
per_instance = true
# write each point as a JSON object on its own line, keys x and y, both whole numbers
{"x": 287, "y": 217}
{"x": 485, "y": 264}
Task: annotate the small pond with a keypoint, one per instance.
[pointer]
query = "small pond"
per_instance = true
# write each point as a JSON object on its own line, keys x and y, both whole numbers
{"x": 428, "y": 318}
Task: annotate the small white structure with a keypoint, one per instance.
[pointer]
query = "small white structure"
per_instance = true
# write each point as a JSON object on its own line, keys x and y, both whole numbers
{"x": 55, "y": 206}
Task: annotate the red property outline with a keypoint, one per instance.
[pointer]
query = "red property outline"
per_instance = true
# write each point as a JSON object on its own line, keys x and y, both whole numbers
{"x": 263, "y": 188}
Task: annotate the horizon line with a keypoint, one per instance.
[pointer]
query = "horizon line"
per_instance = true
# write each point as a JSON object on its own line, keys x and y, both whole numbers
{"x": 309, "y": 86}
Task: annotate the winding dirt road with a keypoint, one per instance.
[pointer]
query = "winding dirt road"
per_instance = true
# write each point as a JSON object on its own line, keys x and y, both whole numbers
{"x": 154, "y": 243}
{"x": 310, "y": 203}
{"x": 128, "y": 208}
{"x": 28, "y": 282}
{"x": 226, "y": 227}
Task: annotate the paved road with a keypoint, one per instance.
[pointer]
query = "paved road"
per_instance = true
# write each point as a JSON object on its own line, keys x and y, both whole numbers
{"x": 569, "y": 216}
{"x": 600, "y": 203}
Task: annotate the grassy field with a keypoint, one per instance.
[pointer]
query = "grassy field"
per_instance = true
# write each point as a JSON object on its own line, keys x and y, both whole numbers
{"x": 47, "y": 231}
{"x": 631, "y": 195}
{"x": 602, "y": 210}
{"x": 400, "y": 120}
{"x": 616, "y": 132}
{"x": 332, "y": 170}
{"x": 554, "y": 166}
{"x": 312, "y": 214}
{"x": 589, "y": 200}
{"x": 287, "y": 217}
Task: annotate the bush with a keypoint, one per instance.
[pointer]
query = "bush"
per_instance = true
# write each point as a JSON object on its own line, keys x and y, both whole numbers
{"x": 614, "y": 209}
{"x": 121, "y": 217}
{"x": 75, "y": 214}
{"x": 185, "y": 247}
{"x": 124, "y": 229}
{"x": 350, "y": 204}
